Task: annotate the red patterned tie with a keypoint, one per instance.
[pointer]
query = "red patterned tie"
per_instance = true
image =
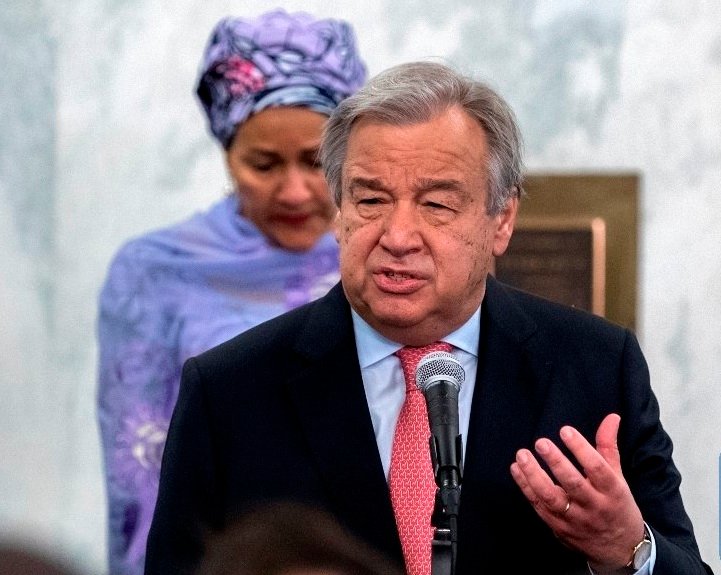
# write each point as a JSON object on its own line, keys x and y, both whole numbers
{"x": 410, "y": 478}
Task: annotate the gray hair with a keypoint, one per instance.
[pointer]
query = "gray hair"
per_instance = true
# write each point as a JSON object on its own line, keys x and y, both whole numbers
{"x": 417, "y": 92}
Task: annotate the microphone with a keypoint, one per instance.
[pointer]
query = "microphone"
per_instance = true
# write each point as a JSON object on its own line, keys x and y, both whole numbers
{"x": 439, "y": 376}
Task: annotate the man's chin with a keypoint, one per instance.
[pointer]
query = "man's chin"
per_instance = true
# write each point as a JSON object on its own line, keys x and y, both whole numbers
{"x": 393, "y": 318}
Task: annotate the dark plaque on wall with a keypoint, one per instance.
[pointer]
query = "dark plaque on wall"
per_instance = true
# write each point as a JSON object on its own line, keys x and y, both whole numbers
{"x": 559, "y": 258}
{"x": 575, "y": 242}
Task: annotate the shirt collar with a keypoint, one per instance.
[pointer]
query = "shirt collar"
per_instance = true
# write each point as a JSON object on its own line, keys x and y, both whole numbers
{"x": 372, "y": 347}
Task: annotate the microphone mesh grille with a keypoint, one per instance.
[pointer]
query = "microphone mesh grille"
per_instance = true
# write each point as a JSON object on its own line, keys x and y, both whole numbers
{"x": 439, "y": 363}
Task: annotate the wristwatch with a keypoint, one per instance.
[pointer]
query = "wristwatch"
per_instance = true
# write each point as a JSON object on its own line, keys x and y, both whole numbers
{"x": 641, "y": 552}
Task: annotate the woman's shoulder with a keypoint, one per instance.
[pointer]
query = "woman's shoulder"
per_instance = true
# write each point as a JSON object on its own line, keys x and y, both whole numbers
{"x": 143, "y": 258}
{"x": 163, "y": 245}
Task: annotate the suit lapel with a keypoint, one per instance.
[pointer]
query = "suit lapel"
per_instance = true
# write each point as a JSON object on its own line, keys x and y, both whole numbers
{"x": 512, "y": 378}
{"x": 334, "y": 418}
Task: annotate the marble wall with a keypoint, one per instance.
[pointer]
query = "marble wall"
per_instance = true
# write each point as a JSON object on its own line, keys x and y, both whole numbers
{"x": 101, "y": 139}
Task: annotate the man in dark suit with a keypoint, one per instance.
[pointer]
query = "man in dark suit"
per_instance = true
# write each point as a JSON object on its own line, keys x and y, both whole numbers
{"x": 567, "y": 467}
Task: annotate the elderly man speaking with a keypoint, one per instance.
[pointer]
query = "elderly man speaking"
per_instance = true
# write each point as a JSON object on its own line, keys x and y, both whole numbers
{"x": 566, "y": 466}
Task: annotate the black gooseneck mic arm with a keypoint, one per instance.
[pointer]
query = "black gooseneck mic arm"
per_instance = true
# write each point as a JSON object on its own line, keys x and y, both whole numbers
{"x": 439, "y": 376}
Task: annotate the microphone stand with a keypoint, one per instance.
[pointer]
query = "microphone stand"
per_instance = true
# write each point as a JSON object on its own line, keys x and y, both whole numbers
{"x": 445, "y": 512}
{"x": 440, "y": 376}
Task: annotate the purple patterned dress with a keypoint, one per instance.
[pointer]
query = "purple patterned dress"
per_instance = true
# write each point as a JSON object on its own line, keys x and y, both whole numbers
{"x": 171, "y": 294}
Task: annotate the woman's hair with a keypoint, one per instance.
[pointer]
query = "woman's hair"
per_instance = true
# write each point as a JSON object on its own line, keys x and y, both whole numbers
{"x": 417, "y": 92}
{"x": 285, "y": 537}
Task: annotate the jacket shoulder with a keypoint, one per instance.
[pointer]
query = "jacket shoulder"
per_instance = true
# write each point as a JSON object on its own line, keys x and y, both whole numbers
{"x": 552, "y": 319}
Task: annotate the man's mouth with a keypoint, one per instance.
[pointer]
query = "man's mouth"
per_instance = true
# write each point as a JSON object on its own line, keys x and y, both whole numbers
{"x": 398, "y": 282}
{"x": 399, "y": 276}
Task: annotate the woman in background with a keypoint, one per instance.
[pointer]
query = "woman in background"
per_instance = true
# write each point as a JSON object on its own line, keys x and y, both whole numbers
{"x": 267, "y": 86}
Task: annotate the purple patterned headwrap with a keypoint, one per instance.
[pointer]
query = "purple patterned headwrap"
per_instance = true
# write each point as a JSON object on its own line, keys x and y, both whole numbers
{"x": 276, "y": 59}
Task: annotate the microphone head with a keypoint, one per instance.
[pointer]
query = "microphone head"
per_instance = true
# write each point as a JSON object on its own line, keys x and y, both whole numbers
{"x": 439, "y": 366}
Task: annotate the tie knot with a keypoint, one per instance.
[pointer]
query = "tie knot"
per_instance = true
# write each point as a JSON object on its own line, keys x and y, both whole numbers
{"x": 410, "y": 356}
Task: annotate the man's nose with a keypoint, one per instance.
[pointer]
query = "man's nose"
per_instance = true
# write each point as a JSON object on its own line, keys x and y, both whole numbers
{"x": 401, "y": 229}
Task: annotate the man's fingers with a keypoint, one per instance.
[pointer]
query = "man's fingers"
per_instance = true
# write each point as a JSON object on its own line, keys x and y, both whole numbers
{"x": 537, "y": 486}
{"x": 597, "y": 470}
{"x": 565, "y": 472}
{"x": 607, "y": 441}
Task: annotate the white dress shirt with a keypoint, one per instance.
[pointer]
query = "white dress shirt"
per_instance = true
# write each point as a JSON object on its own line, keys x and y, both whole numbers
{"x": 385, "y": 386}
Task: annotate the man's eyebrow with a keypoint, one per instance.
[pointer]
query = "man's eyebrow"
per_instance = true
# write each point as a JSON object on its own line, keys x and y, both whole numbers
{"x": 429, "y": 184}
{"x": 423, "y": 184}
{"x": 374, "y": 184}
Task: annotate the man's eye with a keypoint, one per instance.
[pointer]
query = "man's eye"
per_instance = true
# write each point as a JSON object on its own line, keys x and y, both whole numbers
{"x": 437, "y": 206}
{"x": 262, "y": 166}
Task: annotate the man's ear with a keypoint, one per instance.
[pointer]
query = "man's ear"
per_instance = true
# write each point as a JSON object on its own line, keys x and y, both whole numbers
{"x": 335, "y": 226}
{"x": 504, "y": 228}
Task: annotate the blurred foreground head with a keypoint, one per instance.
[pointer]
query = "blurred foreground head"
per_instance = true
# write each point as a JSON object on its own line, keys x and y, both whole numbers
{"x": 290, "y": 539}
{"x": 21, "y": 560}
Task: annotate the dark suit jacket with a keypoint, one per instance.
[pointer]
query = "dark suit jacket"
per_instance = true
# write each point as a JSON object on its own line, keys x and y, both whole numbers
{"x": 279, "y": 412}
